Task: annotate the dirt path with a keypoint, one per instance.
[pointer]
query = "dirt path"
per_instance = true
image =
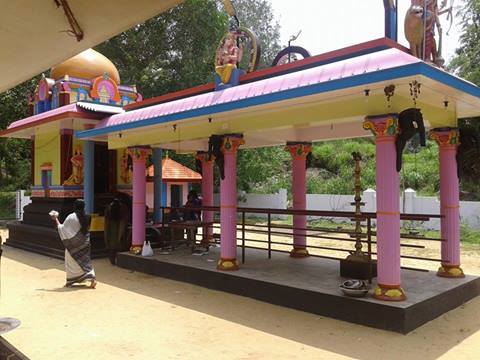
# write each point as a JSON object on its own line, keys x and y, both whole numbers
{"x": 136, "y": 316}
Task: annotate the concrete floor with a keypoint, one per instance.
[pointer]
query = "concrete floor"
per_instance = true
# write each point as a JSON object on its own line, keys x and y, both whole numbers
{"x": 312, "y": 285}
{"x": 315, "y": 274}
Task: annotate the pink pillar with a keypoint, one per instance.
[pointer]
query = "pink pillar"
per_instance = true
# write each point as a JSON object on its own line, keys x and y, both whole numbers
{"x": 207, "y": 188}
{"x": 228, "y": 204}
{"x": 299, "y": 152}
{"x": 139, "y": 156}
{"x": 447, "y": 140}
{"x": 385, "y": 129}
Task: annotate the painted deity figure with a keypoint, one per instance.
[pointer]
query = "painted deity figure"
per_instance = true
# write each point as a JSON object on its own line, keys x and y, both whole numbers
{"x": 228, "y": 55}
{"x": 125, "y": 168}
{"x": 77, "y": 168}
{"x": 420, "y": 27}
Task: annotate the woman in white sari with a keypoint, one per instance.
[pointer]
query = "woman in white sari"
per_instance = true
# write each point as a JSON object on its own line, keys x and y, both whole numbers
{"x": 76, "y": 239}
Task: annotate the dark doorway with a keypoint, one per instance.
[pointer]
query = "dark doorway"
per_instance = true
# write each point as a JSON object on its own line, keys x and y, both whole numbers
{"x": 101, "y": 171}
{"x": 176, "y": 196}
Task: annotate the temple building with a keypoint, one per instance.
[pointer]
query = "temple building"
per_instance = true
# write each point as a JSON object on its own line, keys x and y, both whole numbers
{"x": 78, "y": 94}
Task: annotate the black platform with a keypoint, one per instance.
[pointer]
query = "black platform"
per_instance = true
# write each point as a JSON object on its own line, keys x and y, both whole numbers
{"x": 46, "y": 241}
{"x": 311, "y": 285}
{"x": 36, "y": 232}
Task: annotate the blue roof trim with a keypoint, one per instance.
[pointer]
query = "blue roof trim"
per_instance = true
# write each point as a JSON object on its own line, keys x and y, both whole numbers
{"x": 338, "y": 84}
{"x": 450, "y": 80}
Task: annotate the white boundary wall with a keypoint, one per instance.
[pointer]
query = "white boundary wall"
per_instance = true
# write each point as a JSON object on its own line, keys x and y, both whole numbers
{"x": 413, "y": 204}
{"x": 261, "y": 201}
{"x": 21, "y": 201}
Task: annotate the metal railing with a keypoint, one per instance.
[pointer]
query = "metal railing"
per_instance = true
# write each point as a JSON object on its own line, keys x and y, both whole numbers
{"x": 273, "y": 232}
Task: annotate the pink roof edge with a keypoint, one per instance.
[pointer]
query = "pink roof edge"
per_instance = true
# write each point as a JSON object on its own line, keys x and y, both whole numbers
{"x": 384, "y": 59}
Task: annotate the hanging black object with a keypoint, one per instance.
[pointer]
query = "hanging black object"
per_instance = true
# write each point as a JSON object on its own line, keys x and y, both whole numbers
{"x": 407, "y": 120}
{"x": 198, "y": 165}
{"x": 215, "y": 148}
{"x": 308, "y": 162}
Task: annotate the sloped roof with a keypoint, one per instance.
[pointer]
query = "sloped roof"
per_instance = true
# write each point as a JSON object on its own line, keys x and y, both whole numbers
{"x": 250, "y": 94}
{"x": 24, "y": 128}
{"x": 173, "y": 171}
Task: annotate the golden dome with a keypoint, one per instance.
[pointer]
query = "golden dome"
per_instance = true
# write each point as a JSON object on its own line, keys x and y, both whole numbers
{"x": 88, "y": 64}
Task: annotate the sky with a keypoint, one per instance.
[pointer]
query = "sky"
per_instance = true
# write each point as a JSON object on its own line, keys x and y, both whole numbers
{"x": 330, "y": 25}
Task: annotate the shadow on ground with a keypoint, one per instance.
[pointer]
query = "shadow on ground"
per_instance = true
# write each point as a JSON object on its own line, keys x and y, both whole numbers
{"x": 429, "y": 341}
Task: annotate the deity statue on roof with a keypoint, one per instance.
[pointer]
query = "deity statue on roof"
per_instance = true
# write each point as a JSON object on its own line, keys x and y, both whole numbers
{"x": 237, "y": 41}
{"x": 228, "y": 56}
{"x": 422, "y": 18}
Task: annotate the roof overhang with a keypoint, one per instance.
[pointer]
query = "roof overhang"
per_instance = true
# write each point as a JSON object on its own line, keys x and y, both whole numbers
{"x": 73, "y": 116}
{"x": 34, "y": 34}
{"x": 326, "y": 102}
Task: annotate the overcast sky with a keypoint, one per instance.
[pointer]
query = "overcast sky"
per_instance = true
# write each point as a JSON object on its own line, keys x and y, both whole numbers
{"x": 329, "y": 25}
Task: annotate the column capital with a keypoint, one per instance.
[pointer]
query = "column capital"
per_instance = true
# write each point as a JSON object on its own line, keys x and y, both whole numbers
{"x": 445, "y": 137}
{"x": 298, "y": 149}
{"x": 139, "y": 153}
{"x": 382, "y": 125}
{"x": 231, "y": 143}
{"x": 204, "y": 157}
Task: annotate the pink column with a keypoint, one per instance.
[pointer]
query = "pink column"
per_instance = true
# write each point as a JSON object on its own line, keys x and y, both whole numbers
{"x": 447, "y": 140}
{"x": 139, "y": 157}
{"x": 385, "y": 128}
{"x": 207, "y": 188}
{"x": 228, "y": 204}
{"x": 299, "y": 152}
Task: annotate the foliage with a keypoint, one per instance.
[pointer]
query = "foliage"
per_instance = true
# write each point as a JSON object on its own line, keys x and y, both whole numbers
{"x": 7, "y": 205}
{"x": 268, "y": 170}
{"x": 169, "y": 52}
{"x": 469, "y": 235}
{"x": 15, "y": 153}
{"x": 176, "y": 50}
{"x": 467, "y": 58}
{"x": 257, "y": 15}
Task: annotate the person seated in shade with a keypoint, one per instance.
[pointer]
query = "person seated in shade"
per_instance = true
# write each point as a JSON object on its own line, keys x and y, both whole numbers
{"x": 193, "y": 201}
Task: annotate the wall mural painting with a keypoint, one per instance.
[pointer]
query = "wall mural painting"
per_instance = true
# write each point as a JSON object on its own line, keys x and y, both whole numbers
{"x": 77, "y": 167}
{"x": 126, "y": 170}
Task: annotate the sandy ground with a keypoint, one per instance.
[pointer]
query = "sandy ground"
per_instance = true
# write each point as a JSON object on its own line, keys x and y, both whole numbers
{"x": 136, "y": 316}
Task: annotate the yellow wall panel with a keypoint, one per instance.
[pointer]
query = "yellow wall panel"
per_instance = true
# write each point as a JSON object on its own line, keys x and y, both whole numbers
{"x": 47, "y": 150}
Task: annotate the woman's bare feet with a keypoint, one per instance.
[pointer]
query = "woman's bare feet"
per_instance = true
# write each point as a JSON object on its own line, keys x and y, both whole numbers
{"x": 93, "y": 283}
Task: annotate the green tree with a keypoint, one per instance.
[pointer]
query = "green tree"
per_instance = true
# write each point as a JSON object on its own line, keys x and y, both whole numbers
{"x": 258, "y": 16}
{"x": 466, "y": 64}
{"x": 170, "y": 52}
{"x": 467, "y": 59}
{"x": 15, "y": 153}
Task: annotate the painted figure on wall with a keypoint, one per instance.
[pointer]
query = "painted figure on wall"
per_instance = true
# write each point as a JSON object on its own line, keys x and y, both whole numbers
{"x": 228, "y": 55}
{"x": 422, "y": 18}
{"x": 77, "y": 168}
{"x": 125, "y": 168}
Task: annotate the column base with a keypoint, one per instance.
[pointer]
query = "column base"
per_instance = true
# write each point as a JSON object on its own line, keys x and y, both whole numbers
{"x": 389, "y": 293}
{"x": 450, "y": 271}
{"x": 136, "y": 249}
{"x": 299, "y": 252}
{"x": 227, "y": 265}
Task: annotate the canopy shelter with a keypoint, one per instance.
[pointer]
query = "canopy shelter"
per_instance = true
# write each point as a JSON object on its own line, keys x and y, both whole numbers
{"x": 42, "y": 30}
{"x": 381, "y": 88}
{"x": 324, "y": 102}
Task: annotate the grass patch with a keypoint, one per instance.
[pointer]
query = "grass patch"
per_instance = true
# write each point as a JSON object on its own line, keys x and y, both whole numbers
{"x": 469, "y": 235}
